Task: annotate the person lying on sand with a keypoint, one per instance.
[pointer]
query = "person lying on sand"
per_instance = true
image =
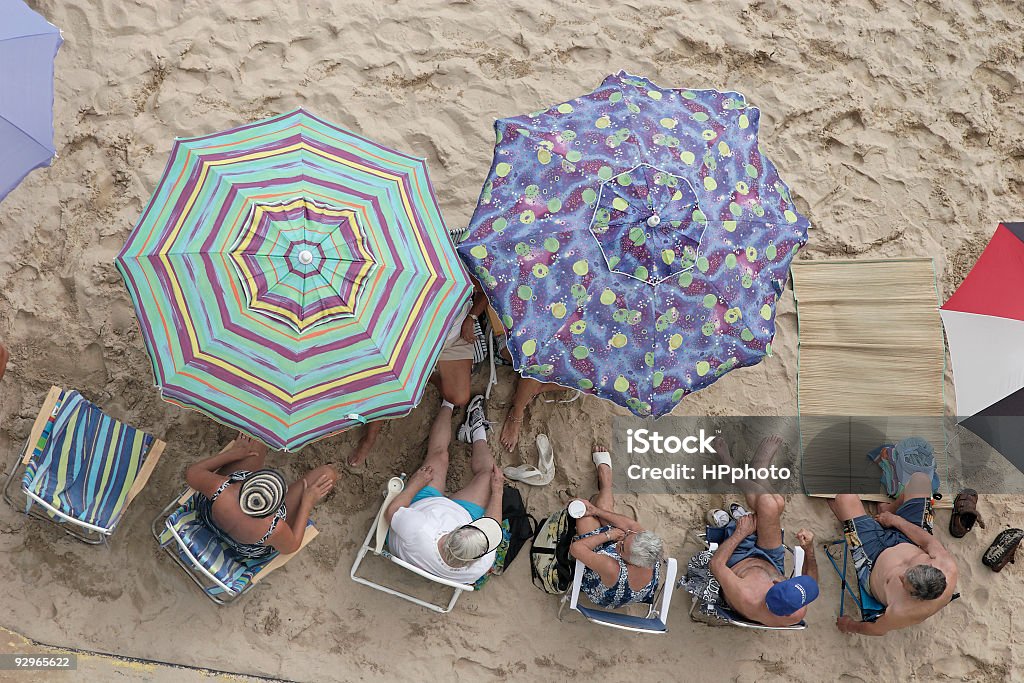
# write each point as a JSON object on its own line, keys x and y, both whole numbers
{"x": 249, "y": 506}
{"x": 451, "y": 536}
{"x": 623, "y": 560}
{"x": 452, "y": 376}
{"x": 906, "y": 568}
{"x": 750, "y": 564}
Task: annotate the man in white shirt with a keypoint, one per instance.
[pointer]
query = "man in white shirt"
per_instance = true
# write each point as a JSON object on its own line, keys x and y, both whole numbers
{"x": 453, "y": 537}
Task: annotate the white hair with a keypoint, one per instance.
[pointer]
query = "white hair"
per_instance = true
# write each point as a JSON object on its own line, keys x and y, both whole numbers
{"x": 647, "y": 549}
{"x": 464, "y": 546}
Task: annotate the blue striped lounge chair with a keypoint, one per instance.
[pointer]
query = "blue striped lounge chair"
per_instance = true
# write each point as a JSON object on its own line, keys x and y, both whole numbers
{"x": 207, "y": 560}
{"x": 82, "y": 468}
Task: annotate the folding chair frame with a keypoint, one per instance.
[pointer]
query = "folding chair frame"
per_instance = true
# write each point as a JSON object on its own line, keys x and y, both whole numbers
{"x": 866, "y": 613}
{"x": 798, "y": 567}
{"x": 85, "y": 532}
{"x": 197, "y": 572}
{"x": 375, "y": 544}
{"x": 659, "y": 605}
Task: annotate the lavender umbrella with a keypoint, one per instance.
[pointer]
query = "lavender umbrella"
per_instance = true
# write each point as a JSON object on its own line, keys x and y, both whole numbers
{"x": 28, "y": 45}
{"x": 634, "y": 241}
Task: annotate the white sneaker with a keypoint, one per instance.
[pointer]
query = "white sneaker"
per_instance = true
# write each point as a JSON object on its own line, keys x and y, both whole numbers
{"x": 736, "y": 510}
{"x": 718, "y": 518}
{"x": 475, "y": 417}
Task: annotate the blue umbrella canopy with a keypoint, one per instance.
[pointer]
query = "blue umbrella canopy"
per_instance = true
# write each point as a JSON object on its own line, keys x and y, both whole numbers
{"x": 635, "y": 241}
{"x": 28, "y": 45}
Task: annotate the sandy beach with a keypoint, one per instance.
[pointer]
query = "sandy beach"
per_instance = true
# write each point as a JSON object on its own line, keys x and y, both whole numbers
{"x": 897, "y": 125}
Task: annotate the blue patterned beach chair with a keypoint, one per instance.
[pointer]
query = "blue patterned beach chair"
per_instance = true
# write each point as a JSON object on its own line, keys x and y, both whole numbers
{"x": 656, "y": 619}
{"x": 82, "y": 468}
{"x": 208, "y": 561}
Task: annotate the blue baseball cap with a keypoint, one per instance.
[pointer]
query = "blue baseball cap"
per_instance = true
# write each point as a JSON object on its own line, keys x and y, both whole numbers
{"x": 790, "y": 595}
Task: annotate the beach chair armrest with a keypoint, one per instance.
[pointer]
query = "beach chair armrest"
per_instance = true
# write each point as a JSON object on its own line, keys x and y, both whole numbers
{"x": 310, "y": 533}
{"x": 798, "y": 561}
{"x": 577, "y": 583}
{"x": 668, "y": 585}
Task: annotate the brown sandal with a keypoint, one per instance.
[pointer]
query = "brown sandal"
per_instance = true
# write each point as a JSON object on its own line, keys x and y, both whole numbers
{"x": 965, "y": 513}
{"x": 1003, "y": 549}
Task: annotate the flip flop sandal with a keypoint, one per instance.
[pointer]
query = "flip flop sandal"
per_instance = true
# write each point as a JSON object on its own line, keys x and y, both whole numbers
{"x": 1003, "y": 549}
{"x": 965, "y": 513}
{"x": 545, "y": 470}
{"x": 602, "y": 458}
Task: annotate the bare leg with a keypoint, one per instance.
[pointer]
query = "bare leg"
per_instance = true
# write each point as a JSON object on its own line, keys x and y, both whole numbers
{"x": 4, "y": 357}
{"x": 479, "y": 488}
{"x": 602, "y": 499}
{"x": 526, "y": 390}
{"x": 751, "y": 489}
{"x": 253, "y": 455}
{"x": 437, "y": 447}
{"x": 452, "y": 379}
{"x": 295, "y": 489}
{"x": 919, "y": 486}
{"x": 365, "y": 444}
{"x": 847, "y": 506}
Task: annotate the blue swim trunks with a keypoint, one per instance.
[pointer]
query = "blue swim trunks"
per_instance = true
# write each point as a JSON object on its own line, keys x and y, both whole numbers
{"x": 748, "y": 547}
{"x": 868, "y": 539}
{"x": 474, "y": 510}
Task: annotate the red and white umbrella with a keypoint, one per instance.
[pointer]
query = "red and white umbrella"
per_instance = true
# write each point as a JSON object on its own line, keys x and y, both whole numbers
{"x": 984, "y": 321}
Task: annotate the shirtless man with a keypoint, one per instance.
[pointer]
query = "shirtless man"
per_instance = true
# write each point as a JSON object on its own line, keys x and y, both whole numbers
{"x": 906, "y": 568}
{"x": 750, "y": 564}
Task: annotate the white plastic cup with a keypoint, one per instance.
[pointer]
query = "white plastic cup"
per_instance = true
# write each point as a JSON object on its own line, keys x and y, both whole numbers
{"x": 577, "y": 508}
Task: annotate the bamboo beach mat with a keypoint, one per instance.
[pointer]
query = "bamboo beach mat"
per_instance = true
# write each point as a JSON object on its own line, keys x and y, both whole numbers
{"x": 871, "y": 368}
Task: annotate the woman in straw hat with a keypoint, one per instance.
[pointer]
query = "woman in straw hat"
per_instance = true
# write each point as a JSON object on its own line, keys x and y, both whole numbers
{"x": 251, "y": 507}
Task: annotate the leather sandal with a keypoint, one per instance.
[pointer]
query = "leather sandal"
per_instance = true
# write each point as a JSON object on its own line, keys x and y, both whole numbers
{"x": 1003, "y": 549}
{"x": 965, "y": 513}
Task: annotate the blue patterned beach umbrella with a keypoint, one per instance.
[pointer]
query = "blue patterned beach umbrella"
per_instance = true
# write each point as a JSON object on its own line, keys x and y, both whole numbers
{"x": 28, "y": 45}
{"x": 635, "y": 241}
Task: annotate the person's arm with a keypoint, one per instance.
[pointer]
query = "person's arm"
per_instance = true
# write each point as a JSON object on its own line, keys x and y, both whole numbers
{"x": 609, "y": 518}
{"x": 606, "y": 566}
{"x": 806, "y": 539}
{"x": 878, "y": 627}
{"x": 417, "y": 481}
{"x": 203, "y": 477}
{"x": 918, "y": 536}
{"x": 494, "y": 505}
{"x": 475, "y": 310}
{"x": 727, "y": 578}
{"x": 287, "y": 537}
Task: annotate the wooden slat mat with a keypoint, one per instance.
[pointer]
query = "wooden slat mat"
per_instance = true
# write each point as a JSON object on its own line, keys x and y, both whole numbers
{"x": 871, "y": 345}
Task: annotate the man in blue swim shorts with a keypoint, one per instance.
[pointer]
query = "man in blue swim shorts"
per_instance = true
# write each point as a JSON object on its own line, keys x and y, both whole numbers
{"x": 902, "y": 565}
{"x": 453, "y": 537}
{"x": 750, "y": 563}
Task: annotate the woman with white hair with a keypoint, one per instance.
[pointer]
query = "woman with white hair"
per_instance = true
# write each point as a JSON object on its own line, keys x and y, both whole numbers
{"x": 623, "y": 561}
{"x": 251, "y": 507}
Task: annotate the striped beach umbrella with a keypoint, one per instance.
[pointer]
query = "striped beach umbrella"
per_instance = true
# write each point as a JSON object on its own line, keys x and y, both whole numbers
{"x": 293, "y": 279}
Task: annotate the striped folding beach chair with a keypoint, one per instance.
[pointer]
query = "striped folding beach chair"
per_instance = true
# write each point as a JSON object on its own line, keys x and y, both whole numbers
{"x": 209, "y": 561}
{"x": 81, "y": 467}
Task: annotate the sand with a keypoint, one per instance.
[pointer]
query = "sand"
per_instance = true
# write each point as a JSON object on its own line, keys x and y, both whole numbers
{"x": 898, "y": 126}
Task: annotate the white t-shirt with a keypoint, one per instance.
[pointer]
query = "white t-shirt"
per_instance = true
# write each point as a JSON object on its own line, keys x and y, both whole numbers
{"x": 416, "y": 530}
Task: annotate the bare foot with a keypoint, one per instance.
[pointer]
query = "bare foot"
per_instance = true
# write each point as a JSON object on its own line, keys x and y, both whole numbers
{"x": 510, "y": 431}
{"x": 722, "y": 453}
{"x": 766, "y": 451}
{"x": 365, "y": 445}
{"x": 249, "y": 445}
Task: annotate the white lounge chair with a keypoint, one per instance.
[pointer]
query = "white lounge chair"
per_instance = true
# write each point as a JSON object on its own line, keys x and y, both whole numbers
{"x": 376, "y": 543}
{"x": 656, "y": 620}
